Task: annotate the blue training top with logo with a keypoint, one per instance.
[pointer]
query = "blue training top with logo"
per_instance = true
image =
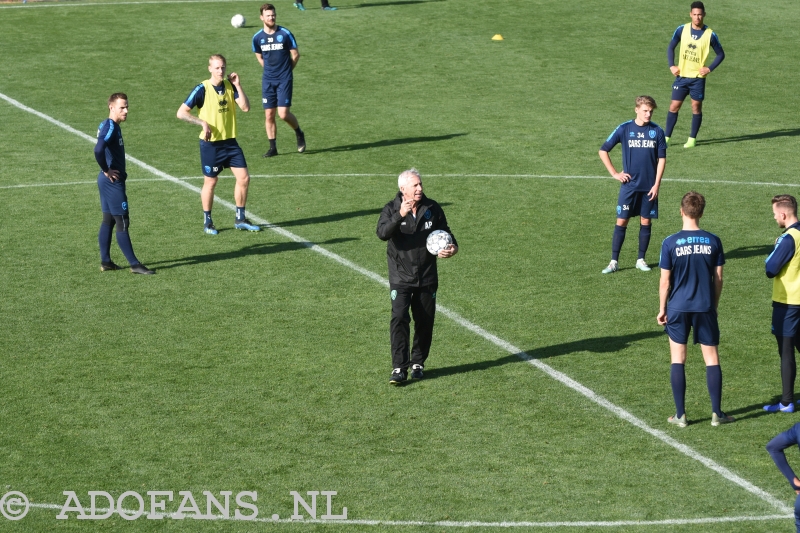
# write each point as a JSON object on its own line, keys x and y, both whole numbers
{"x": 692, "y": 257}
{"x": 110, "y": 149}
{"x": 274, "y": 50}
{"x": 642, "y": 147}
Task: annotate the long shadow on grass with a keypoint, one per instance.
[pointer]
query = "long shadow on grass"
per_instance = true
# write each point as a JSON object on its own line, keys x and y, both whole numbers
{"x": 749, "y": 251}
{"x": 387, "y": 142}
{"x": 254, "y": 249}
{"x": 753, "y": 136}
{"x": 593, "y": 345}
{"x": 752, "y": 411}
{"x": 395, "y": 3}
{"x": 335, "y": 217}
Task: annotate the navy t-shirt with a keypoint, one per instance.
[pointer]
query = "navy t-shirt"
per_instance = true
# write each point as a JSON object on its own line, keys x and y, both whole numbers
{"x": 110, "y": 149}
{"x": 692, "y": 257}
{"x": 275, "y": 51}
{"x": 642, "y": 147}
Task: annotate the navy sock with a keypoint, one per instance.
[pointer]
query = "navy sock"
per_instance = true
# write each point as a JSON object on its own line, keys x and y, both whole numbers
{"x": 714, "y": 383}
{"x": 617, "y": 240}
{"x": 672, "y": 119}
{"x": 696, "y": 121}
{"x": 239, "y": 213}
{"x": 124, "y": 243}
{"x": 677, "y": 378}
{"x": 207, "y": 218}
{"x": 644, "y": 239}
{"x": 104, "y": 239}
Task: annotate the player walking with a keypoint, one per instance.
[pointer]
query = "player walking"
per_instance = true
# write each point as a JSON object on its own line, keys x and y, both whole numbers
{"x": 218, "y": 147}
{"x": 276, "y": 51}
{"x": 689, "y": 291}
{"x": 110, "y": 155}
{"x": 690, "y": 73}
{"x": 644, "y": 156}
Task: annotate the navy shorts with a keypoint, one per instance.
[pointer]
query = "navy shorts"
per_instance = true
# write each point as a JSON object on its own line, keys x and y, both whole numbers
{"x": 785, "y": 320}
{"x": 218, "y": 155}
{"x": 695, "y": 87}
{"x": 276, "y": 93}
{"x": 704, "y": 326}
{"x": 635, "y": 204}
{"x": 113, "y": 199}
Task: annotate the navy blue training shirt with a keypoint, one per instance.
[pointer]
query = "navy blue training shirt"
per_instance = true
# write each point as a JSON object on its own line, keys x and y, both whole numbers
{"x": 692, "y": 257}
{"x": 642, "y": 147}
{"x": 275, "y": 51}
{"x": 787, "y": 439}
{"x": 110, "y": 149}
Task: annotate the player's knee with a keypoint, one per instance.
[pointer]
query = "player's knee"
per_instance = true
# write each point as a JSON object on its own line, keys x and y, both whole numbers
{"x": 108, "y": 219}
{"x": 123, "y": 223}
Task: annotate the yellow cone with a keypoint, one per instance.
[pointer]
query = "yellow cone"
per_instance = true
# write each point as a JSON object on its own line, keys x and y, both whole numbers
{"x": 497, "y": 37}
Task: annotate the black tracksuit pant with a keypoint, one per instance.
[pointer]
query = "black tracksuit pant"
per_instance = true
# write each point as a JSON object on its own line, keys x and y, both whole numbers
{"x": 422, "y": 302}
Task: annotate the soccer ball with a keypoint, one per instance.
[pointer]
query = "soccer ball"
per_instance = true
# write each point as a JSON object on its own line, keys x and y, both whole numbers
{"x": 237, "y": 21}
{"x": 437, "y": 241}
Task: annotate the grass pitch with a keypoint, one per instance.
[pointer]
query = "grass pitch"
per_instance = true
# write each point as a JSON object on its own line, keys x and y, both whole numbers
{"x": 252, "y": 363}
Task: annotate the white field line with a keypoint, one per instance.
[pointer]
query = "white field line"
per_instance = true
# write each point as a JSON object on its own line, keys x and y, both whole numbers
{"x": 73, "y": 4}
{"x": 511, "y": 176}
{"x": 555, "y": 374}
{"x": 451, "y": 523}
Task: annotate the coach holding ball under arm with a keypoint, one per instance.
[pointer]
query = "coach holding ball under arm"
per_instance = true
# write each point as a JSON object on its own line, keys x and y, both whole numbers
{"x": 405, "y": 224}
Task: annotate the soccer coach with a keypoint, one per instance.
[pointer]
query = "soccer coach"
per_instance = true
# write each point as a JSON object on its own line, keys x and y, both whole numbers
{"x": 405, "y": 224}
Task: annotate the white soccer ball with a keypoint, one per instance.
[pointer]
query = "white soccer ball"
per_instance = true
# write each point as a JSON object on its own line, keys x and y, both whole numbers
{"x": 237, "y": 21}
{"x": 437, "y": 241}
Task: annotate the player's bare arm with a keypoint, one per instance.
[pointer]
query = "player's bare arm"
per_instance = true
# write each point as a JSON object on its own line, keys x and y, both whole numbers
{"x": 260, "y": 59}
{"x": 243, "y": 102}
{"x": 662, "y": 164}
{"x": 622, "y": 177}
{"x": 185, "y": 114}
{"x": 717, "y": 285}
{"x": 295, "y": 57}
{"x": 663, "y": 292}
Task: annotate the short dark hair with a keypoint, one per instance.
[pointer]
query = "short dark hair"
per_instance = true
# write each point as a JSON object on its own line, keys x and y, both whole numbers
{"x": 117, "y": 96}
{"x": 698, "y": 5}
{"x": 693, "y": 204}
{"x": 786, "y": 201}
{"x": 267, "y": 7}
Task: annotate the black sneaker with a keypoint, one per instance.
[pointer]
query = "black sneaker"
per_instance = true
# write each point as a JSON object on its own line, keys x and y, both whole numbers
{"x": 271, "y": 152}
{"x": 398, "y": 377}
{"x": 141, "y": 269}
{"x": 416, "y": 371}
{"x": 109, "y": 266}
{"x": 301, "y": 141}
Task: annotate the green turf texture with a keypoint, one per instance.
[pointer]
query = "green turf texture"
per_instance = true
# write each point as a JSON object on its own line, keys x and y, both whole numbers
{"x": 251, "y": 363}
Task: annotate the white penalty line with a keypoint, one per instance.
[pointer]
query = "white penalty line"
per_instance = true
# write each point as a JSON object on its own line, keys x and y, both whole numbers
{"x": 444, "y": 523}
{"x": 547, "y": 369}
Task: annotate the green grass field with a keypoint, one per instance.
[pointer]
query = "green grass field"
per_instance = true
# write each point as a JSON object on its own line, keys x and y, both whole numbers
{"x": 251, "y": 362}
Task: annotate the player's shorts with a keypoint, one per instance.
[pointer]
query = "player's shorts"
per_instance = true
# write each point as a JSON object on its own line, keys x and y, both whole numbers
{"x": 785, "y": 320}
{"x": 636, "y": 204}
{"x": 113, "y": 199}
{"x": 695, "y": 87}
{"x": 218, "y": 155}
{"x": 704, "y": 326}
{"x": 276, "y": 93}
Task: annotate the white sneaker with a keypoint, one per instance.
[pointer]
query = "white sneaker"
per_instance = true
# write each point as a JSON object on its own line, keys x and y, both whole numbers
{"x": 641, "y": 264}
{"x": 612, "y": 267}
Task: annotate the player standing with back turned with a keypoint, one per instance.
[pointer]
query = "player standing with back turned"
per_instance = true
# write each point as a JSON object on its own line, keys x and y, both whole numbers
{"x": 690, "y": 73}
{"x": 644, "y": 157}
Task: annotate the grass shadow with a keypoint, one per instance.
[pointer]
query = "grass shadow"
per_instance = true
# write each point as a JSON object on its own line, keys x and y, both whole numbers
{"x": 392, "y": 3}
{"x": 753, "y": 137}
{"x": 744, "y": 252}
{"x": 386, "y": 142}
{"x": 253, "y": 249}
